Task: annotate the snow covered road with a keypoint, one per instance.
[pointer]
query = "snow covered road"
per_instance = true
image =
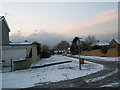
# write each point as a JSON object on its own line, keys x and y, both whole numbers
{"x": 56, "y": 73}
{"x": 110, "y": 73}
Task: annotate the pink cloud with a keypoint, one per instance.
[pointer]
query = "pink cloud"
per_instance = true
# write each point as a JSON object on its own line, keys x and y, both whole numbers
{"x": 101, "y": 18}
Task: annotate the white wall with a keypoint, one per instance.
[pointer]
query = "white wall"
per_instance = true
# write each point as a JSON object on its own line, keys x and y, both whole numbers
{"x": 15, "y": 54}
{"x": 0, "y": 32}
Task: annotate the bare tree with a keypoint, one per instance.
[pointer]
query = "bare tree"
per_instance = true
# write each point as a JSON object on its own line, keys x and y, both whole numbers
{"x": 63, "y": 45}
{"x": 45, "y": 51}
{"x": 45, "y": 47}
{"x": 91, "y": 40}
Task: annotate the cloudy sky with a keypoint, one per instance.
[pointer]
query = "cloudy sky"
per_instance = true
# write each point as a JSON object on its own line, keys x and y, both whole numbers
{"x": 51, "y": 22}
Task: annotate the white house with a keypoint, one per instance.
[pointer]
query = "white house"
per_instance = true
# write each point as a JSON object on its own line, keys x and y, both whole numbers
{"x": 9, "y": 50}
{"x": 4, "y": 31}
{"x": 99, "y": 45}
{"x": 102, "y": 44}
{"x": 14, "y": 52}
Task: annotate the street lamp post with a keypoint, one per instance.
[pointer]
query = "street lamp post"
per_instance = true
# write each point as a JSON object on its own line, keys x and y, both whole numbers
{"x": 79, "y": 52}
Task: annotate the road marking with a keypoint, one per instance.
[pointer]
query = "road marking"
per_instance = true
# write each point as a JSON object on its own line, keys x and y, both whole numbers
{"x": 116, "y": 84}
{"x": 101, "y": 77}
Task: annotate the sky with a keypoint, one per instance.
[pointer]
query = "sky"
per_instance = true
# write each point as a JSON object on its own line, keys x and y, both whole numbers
{"x": 51, "y": 22}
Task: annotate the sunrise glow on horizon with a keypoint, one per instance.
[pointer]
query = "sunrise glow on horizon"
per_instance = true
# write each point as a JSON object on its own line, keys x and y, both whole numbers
{"x": 65, "y": 19}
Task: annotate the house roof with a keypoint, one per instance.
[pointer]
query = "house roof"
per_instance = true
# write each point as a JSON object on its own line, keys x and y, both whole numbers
{"x": 2, "y": 18}
{"x": 20, "y": 43}
{"x": 101, "y": 43}
{"x": 117, "y": 40}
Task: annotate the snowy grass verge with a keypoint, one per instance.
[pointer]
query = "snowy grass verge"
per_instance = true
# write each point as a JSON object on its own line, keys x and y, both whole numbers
{"x": 56, "y": 73}
{"x": 99, "y": 58}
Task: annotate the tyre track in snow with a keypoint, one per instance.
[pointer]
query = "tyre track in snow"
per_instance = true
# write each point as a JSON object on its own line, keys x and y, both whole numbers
{"x": 109, "y": 74}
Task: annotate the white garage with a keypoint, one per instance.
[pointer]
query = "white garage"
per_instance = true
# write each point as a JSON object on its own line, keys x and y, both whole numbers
{"x": 14, "y": 53}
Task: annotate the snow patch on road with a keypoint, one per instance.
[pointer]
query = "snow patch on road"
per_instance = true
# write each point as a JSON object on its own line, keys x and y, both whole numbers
{"x": 116, "y": 84}
{"x": 101, "y": 77}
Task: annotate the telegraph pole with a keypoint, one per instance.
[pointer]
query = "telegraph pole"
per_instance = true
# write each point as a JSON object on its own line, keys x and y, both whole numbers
{"x": 79, "y": 52}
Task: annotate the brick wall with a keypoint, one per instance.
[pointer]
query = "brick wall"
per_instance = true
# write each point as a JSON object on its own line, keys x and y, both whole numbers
{"x": 112, "y": 52}
{"x": 22, "y": 64}
{"x": 113, "y": 43}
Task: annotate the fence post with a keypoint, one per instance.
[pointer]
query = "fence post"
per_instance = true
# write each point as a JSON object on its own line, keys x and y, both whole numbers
{"x": 11, "y": 65}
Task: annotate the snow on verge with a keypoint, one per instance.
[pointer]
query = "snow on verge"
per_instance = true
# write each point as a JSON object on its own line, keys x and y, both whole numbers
{"x": 99, "y": 58}
{"x": 32, "y": 77}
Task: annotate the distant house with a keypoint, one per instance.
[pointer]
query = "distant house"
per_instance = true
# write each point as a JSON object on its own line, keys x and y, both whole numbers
{"x": 4, "y": 31}
{"x": 99, "y": 45}
{"x": 112, "y": 49}
{"x": 115, "y": 43}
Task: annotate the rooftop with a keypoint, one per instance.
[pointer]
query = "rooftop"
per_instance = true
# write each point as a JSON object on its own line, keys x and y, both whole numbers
{"x": 117, "y": 40}
{"x": 101, "y": 43}
{"x": 3, "y": 18}
{"x": 20, "y": 43}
